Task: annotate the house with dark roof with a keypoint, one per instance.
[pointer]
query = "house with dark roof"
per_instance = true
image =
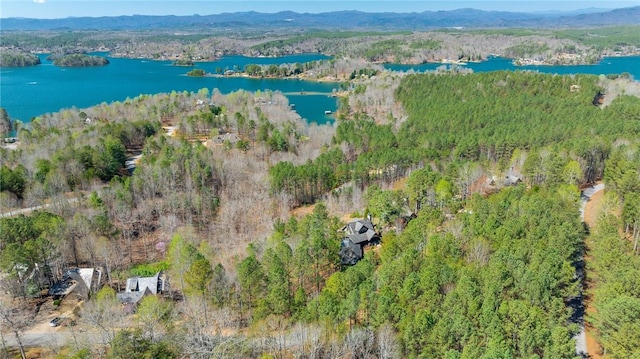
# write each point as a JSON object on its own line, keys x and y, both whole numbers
{"x": 358, "y": 234}
{"x": 138, "y": 287}
{"x": 81, "y": 281}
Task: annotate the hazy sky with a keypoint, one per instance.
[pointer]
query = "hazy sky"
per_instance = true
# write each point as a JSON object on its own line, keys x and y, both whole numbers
{"x": 50, "y": 9}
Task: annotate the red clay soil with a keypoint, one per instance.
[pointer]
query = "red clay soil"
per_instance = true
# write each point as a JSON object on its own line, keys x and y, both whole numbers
{"x": 593, "y": 348}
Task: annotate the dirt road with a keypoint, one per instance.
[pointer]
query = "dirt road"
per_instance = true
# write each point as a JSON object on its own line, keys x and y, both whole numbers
{"x": 582, "y": 347}
{"x": 586, "y": 345}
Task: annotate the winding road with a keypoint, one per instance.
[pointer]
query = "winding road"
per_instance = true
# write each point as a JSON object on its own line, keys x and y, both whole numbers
{"x": 19, "y": 211}
{"x": 23, "y": 211}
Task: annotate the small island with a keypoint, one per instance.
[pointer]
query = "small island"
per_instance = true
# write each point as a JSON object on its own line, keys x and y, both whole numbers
{"x": 196, "y": 73}
{"x": 183, "y": 62}
{"x": 18, "y": 59}
{"x": 80, "y": 60}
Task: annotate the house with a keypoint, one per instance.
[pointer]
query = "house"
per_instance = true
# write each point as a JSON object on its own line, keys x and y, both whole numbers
{"x": 81, "y": 281}
{"x": 138, "y": 287}
{"x": 359, "y": 233}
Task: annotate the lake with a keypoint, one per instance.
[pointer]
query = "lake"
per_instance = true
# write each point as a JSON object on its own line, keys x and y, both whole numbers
{"x": 32, "y": 91}
{"x": 608, "y": 65}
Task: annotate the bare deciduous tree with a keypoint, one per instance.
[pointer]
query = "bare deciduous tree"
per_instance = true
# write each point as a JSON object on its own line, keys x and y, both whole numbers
{"x": 388, "y": 346}
{"x": 16, "y": 317}
{"x": 104, "y": 314}
{"x": 360, "y": 343}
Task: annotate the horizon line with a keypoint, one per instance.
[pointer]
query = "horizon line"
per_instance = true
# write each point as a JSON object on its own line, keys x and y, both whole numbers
{"x": 549, "y": 11}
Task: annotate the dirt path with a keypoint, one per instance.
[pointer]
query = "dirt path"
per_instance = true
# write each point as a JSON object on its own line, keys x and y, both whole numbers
{"x": 591, "y": 211}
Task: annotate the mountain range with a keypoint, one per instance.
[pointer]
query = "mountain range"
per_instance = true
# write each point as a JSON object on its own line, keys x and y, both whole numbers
{"x": 467, "y": 18}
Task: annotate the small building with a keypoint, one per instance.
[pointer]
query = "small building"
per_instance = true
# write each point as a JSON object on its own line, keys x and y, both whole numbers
{"x": 359, "y": 234}
{"x": 138, "y": 287}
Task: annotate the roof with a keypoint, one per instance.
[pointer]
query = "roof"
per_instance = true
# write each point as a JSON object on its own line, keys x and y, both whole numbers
{"x": 74, "y": 279}
{"x": 350, "y": 253}
{"x": 132, "y": 297}
{"x": 360, "y": 231}
{"x": 141, "y": 284}
{"x": 138, "y": 287}
{"x": 87, "y": 275}
{"x": 61, "y": 288}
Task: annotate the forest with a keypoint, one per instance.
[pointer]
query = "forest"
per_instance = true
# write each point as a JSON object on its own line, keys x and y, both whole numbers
{"x": 472, "y": 264}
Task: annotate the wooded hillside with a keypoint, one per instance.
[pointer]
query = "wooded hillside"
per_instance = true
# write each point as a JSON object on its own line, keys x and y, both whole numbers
{"x": 491, "y": 165}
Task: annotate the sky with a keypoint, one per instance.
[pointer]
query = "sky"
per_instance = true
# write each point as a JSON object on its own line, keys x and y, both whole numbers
{"x": 52, "y": 9}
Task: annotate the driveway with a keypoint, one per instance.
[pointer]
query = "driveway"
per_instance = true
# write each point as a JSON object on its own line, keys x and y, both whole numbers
{"x": 578, "y": 304}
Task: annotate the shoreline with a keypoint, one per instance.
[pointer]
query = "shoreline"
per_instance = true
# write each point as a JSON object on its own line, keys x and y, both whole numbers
{"x": 513, "y": 61}
{"x": 519, "y": 62}
{"x": 444, "y": 61}
{"x": 201, "y": 60}
{"x": 326, "y": 79}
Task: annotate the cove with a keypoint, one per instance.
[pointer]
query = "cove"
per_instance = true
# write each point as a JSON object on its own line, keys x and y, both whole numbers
{"x": 32, "y": 91}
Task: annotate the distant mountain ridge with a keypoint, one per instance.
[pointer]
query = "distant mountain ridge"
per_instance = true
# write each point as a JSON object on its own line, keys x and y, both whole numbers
{"x": 469, "y": 18}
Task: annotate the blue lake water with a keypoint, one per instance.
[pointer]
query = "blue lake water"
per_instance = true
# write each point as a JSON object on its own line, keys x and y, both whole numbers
{"x": 609, "y": 65}
{"x": 32, "y": 91}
